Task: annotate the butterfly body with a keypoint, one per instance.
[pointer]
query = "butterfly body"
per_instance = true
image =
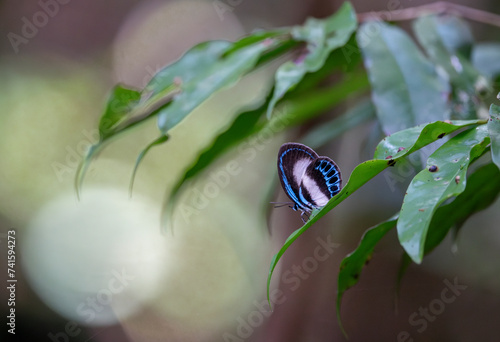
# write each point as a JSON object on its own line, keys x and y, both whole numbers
{"x": 308, "y": 179}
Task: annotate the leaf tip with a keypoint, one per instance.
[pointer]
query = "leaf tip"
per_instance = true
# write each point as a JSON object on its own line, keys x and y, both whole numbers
{"x": 269, "y": 111}
{"x": 79, "y": 175}
{"x": 339, "y": 319}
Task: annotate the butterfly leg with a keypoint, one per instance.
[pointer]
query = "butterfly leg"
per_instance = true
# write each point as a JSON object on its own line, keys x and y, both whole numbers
{"x": 302, "y": 216}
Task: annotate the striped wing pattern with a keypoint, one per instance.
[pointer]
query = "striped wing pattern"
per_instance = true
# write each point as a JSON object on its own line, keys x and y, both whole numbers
{"x": 308, "y": 179}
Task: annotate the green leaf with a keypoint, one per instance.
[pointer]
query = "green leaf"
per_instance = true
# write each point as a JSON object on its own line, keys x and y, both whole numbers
{"x": 199, "y": 58}
{"x": 486, "y": 59}
{"x": 403, "y": 266}
{"x": 443, "y": 178}
{"x": 358, "y": 114}
{"x": 482, "y": 189}
{"x": 322, "y": 37}
{"x": 258, "y": 36}
{"x": 204, "y": 80}
{"x": 448, "y": 41}
{"x": 389, "y": 152}
{"x": 180, "y": 87}
{"x": 160, "y": 140}
{"x": 406, "y": 89}
{"x": 441, "y": 33}
{"x": 343, "y": 61}
{"x": 119, "y": 105}
{"x": 84, "y": 165}
{"x": 352, "y": 265}
{"x": 311, "y": 104}
{"x": 414, "y": 138}
{"x": 494, "y": 131}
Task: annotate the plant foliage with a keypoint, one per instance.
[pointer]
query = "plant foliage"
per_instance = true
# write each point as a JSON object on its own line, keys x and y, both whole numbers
{"x": 435, "y": 88}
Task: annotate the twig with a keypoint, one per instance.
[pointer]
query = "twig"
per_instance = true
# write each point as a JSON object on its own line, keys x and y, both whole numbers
{"x": 441, "y": 7}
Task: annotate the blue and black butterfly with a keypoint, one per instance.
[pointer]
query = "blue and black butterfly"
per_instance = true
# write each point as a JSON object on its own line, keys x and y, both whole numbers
{"x": 308, "y": 179}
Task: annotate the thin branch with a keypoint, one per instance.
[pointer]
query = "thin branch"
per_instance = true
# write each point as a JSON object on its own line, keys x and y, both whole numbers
{"x": 441, "y": 7}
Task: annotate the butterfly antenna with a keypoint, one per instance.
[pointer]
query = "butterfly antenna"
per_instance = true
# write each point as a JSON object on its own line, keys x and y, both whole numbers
{"x": 281, "y": 204}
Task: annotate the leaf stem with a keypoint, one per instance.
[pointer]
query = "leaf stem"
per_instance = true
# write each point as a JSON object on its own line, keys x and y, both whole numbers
{"x": 440, "y": 7}
{"x": 148, "y": 107}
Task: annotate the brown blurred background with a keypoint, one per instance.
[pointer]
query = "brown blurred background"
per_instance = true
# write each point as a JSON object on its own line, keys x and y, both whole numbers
{"x": 99, "y": 269}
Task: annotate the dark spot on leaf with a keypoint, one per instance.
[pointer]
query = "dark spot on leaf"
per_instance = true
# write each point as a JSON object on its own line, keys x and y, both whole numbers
{"x": 355, "y": 276}
{"x": 401, "y": 149}
{"x": 441, "y": 135}
{"x": 391, "y": 162}
{"x": 433, "y": 168}
{"x": 457, "y": 179}
{"x": 388, "y": 157}
{"x": 421, "y": 209}
{"x": 368, "y": 258}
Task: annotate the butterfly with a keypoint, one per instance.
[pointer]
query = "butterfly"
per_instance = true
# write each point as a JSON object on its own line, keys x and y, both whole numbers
{"x": 308, "y": 179}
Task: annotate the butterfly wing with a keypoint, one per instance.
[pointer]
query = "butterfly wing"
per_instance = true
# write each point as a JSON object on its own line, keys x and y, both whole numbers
{"x": 293, "y": 161}
{"x": 321, "y": 181}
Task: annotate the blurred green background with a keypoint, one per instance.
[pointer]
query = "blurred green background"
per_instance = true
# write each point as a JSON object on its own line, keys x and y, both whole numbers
{"x": 100, "y": 269}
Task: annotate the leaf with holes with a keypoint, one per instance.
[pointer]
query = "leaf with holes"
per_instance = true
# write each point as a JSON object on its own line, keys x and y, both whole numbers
{"x": 444, "y": 177}
{"x": 481, "y": 191}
